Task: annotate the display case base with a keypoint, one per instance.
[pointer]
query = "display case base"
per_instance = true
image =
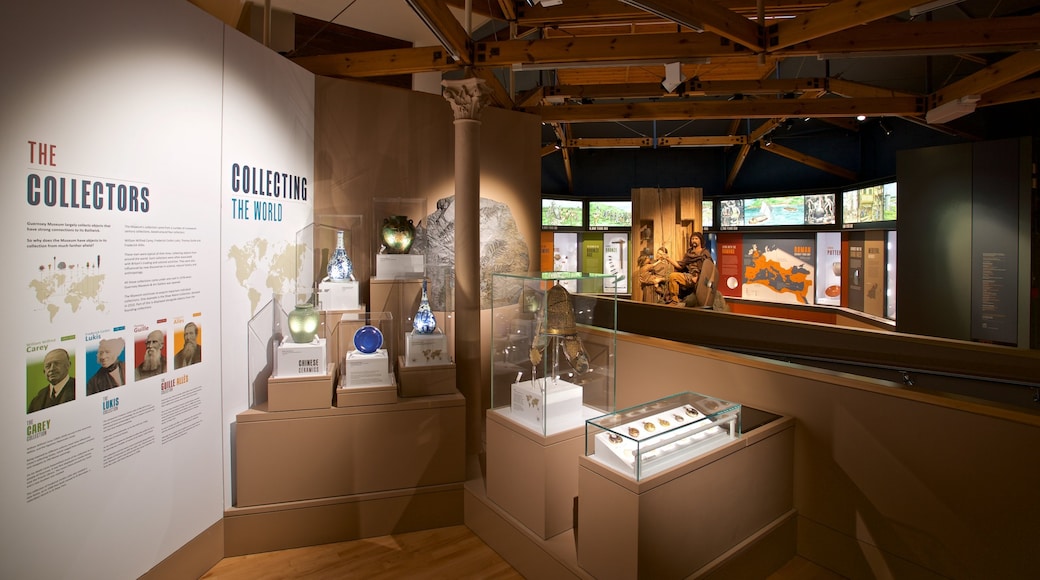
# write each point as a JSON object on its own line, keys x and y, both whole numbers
{"x": 674, "y": 523}
{"x": 360, "y": 396}
{"x": 390, "y": 266}
{"x": 300, "y": 360}
{"x": 298, "y": 393}
{"x": 338, "y": 295}
{"x": 425, "y": 380}
{"x": 367, "y": 369}
{"x": 429, "y": 350}
{"x": 534, "y": 477}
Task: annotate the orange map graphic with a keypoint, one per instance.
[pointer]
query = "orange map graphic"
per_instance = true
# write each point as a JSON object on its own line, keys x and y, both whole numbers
{"x": 794, "y": 280}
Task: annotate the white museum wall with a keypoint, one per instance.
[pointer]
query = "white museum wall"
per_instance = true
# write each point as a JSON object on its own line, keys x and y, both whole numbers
{"x": 268, "y": 127}
{"x": 125, "y": 96}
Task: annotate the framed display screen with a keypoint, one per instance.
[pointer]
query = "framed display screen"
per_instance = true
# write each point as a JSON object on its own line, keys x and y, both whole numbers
{"x": 565, "y": 213}
{"x": 786, "y": 210}
{"x": 609, "y": 214}
{"x": 820, "y": 209}
{"x": 867, "y": 205}
{"x": 708, "y": 213}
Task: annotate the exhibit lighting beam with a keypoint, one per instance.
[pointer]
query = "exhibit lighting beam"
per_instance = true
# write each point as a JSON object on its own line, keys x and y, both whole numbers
{"x": 930, "y": 6}
{"x": 952, "y": 110}
{"x": 652, "y": 8}
{"x": 532, "y": 66}
{"x": 430, "y": 21}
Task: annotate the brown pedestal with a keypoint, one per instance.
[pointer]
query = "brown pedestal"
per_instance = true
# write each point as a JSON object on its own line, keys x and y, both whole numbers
{"x": 425, "y": 380}
{"x": 531, "y": 477}
{"x": 299, "y": 393}
{"x": 305, "y": 477}
{"x": 678, "y": 522}
{"x": 362, "y": 396}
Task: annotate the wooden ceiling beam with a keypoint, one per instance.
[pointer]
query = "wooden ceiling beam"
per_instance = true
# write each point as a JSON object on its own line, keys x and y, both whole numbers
{"x": 609, "y": 143}
{"x": 742, "y": 155}
{"x": 575, "y": 12}
{"x": 377, "y": 63}
{"x": 810, "y": 161}
{"x": 996, "y": 34}
{"x": 444, "y": 25}
{"x": 498, "y": 93}
{"x": 998, "y": 74}
{"x": 709, "y": 141}
{"x": 925, "y": 38}
{"x": 601, "y": 49}
{"x": 709, "y": 17}
{"x": 1023, "y": 90}
{"x": 758, "y": 109}
{"x": 833, "y": 18}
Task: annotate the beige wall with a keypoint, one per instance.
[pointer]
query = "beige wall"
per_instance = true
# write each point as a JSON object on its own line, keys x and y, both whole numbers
{"x": 375, "y": 141}
{"x": 888, "y": 482}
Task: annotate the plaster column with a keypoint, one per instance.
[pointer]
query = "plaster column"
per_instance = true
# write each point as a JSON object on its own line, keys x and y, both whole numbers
{"x": 468, "y": 98}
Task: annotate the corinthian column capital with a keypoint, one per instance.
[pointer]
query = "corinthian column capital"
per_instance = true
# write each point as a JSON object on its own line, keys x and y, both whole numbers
{"x": 467, "y": 97}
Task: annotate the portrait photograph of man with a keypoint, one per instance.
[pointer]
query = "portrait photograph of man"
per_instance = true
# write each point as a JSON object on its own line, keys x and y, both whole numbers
{"x": 190, "y": 352}
{"x": 57, "y": 387}
{"x": 109, "y": 371}
{"x": 152, "y": 356}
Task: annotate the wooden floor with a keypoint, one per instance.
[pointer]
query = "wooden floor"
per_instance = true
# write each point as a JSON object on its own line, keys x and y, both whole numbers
{"x": 453, "y": 552}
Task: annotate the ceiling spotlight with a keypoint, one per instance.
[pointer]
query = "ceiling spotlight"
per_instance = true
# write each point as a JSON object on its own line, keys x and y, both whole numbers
{"x": 768, "y": 142}
{"x": 861, "y": 118}
{"x": 558, "y": 145}
{"x": 884, "y": 129}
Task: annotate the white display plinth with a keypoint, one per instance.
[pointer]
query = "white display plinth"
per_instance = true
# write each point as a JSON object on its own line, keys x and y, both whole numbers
{"x": 338, "y": 295}
{"x": 300, "y": 360}
{"x": 561, "y": 409}
{"x": 390, "y": 266}
{"x": 423, "y": 350}
{"x": 367, "y": 369}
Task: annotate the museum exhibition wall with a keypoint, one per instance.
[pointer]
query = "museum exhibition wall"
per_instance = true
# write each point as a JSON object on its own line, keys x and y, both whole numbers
{"x": 167, "y": 171}
{"x": 113, "y": 142}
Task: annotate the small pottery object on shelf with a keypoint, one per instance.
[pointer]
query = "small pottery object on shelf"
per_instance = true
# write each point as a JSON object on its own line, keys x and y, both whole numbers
{"x": 398, "y": 234}
{"x": 303, "y": 323}
{"x": 424, "y": 321}
{"x": 368, "y": 339}
{"x": 340, "y": 269}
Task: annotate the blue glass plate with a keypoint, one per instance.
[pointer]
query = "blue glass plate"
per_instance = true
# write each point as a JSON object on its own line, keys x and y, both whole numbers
{"x": 368, "y": 339}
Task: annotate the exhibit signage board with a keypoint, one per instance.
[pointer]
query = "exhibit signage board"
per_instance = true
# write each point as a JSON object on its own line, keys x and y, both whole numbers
{"x": 779, "y": 268}
{"x": 110, "y": 155}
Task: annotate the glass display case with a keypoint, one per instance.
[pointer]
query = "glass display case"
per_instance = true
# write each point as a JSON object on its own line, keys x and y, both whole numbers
{"x": 553, "y": 343}
{"x": 399, "y": 252}
{"x": 646, "y": 439}
{"x": 331, "y": 239}
{"x": 364, "y": 352}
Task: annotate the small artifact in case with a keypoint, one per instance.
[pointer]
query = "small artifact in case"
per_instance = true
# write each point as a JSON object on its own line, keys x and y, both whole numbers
{"x": 649, "y": 438}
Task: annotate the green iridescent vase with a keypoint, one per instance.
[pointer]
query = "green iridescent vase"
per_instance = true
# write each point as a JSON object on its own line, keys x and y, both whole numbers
{"x": 303, "y": 323}
{"x": 398, "y": 233}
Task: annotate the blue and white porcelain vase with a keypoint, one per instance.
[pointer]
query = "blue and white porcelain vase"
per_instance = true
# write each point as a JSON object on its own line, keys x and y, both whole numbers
{"x": 341, "y": 269}
{"x": 424, "y": 321}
